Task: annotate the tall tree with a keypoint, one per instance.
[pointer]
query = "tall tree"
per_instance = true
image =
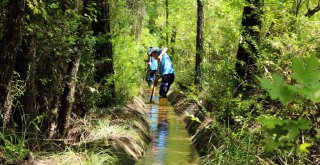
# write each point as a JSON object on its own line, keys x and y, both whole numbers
{"x": 26, "y": 67}
{"x": 137, "y": 9}
{"x": 199, "y": 43}
{"x": 68, "y": 97}
{"x": 248, "y": 49}
{"x": 167, "y": 21}
{"x": 10, "y": 44}
{"x": 104, "y": 54}
{"x": 30, "y": 98}
{"x": 173, "y": 39}
{"x": 153, "y": 13}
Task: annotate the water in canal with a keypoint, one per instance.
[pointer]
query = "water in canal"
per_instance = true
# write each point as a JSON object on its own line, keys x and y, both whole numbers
{"x": 171, "y": 144}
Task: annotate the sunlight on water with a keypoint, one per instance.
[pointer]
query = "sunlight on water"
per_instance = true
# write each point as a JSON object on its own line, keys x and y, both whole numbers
{"x": 171, "y": 144}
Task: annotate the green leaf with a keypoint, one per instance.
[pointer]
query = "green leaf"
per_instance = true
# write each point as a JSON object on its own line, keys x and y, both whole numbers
{"x": 293, "y": 133}
{"x": 303, "y": 124}
{"x": 306, "y": 70}
{"x": 278, "y": 89}
{"x": 270, "y": 123}
{"x": 193, "y": 118}
{"x": 270, "y": 145}
{"x": 303, "y": 147}
{"x": 54, "y": 6}
{"x": 307, "y": 74}
{"x": 36, "y": 11}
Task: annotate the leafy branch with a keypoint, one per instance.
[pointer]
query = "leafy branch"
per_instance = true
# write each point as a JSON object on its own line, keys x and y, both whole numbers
{"x": 285, "y": 132}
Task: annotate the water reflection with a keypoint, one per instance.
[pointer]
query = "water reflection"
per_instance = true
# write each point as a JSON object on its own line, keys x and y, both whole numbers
{"x": 160, "y": 139}
{"x": 159, "y": 129}
{"x": 171, "y": 144}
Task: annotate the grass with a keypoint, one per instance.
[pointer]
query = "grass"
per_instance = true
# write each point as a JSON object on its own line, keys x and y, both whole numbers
{"x": 13, "y": 148}
{"x": 232, "y": 147}
{"x": 105, "y": 128}
{"x": 98, "y": 152}
{"x": 95, "y": 131}
{"x": 72, "y": 157}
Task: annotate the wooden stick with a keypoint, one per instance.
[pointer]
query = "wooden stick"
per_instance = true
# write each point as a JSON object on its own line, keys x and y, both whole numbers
{"x": 152, "y": 93}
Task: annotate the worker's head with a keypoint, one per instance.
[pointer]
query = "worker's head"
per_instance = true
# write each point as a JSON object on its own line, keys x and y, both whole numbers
{"x": 152, "y": 51}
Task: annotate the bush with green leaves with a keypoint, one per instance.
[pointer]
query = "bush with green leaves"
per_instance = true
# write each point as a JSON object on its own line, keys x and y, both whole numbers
{"x": 286, "y": 132}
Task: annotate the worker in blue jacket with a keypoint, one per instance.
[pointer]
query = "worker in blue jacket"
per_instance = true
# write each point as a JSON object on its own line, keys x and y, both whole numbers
{"x": 164, "y": 70}
{"x": 152, "y": 68}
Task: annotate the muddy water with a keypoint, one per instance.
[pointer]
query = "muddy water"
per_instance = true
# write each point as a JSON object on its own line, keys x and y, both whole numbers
{"x": 171, "y": 143}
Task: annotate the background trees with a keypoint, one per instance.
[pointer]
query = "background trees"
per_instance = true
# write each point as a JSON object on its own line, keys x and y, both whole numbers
{"x": 104, "y": 54}
{"x": 11, "y": 37}
{"x": 60, "y": 60}
{"x": 65, "y": 66}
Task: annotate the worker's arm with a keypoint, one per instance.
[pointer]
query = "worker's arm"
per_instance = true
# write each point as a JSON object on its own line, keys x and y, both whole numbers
{"x": 159, "y": 59}
{"x": 164, "y": 50}
{"x": 157, "y": 73}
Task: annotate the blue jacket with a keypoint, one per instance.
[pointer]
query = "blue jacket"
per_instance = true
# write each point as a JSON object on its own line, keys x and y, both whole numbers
{"x": 154, "y": 64}
{"x": 166, "y": 66}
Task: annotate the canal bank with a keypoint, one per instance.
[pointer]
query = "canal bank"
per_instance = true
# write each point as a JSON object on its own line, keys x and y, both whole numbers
{"x": 108, "y": 136}
{"x": 198, "y": 124}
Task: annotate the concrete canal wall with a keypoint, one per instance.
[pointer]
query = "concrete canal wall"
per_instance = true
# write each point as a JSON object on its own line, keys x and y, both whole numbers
{"x": 200, "y": 131}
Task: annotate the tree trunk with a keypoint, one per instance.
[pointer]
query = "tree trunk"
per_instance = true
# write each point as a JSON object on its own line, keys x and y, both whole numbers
{"x": 68, "y": 97}
{"x": 248, "y": 49}
{"x": 199, "y": 44}
{"x": 31, "y": 93}
{"x": 173, "y": 39}
{"x": 104, "y": 53}
{"x": 26, "y": 66}
{"x": 152, "y": 8}
{"x": 69, "y": 90}
{"x": 10, "y": 44}
{"x": 167, "y": 22}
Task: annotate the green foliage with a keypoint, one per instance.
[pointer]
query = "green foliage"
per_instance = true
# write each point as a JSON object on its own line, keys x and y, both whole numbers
{"x": 101, "y": 158}
{"x": 13, "y": 147}
{"x": 193, "y": 118}
{"x": 18, "y": 87}
{"x": 38, "y": 7}
{"x": 231, "y": 147}
{"x": 129, "y": 49}
{"x": 285, "y": 39}
{"x": 286, "y": 36}
{"x": 4, "y": 2}
{"x": 282, "y": 132}
{"x": 304, "y": 147}
{"x": 129, "y": 66}
{"x": 306, "y": 74}
{"x": 278, "y": 89}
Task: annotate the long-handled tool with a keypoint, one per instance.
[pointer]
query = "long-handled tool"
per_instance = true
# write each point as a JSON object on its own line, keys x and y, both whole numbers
{"x": 152, "y": 93}
{"x": 155, "y": 82}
